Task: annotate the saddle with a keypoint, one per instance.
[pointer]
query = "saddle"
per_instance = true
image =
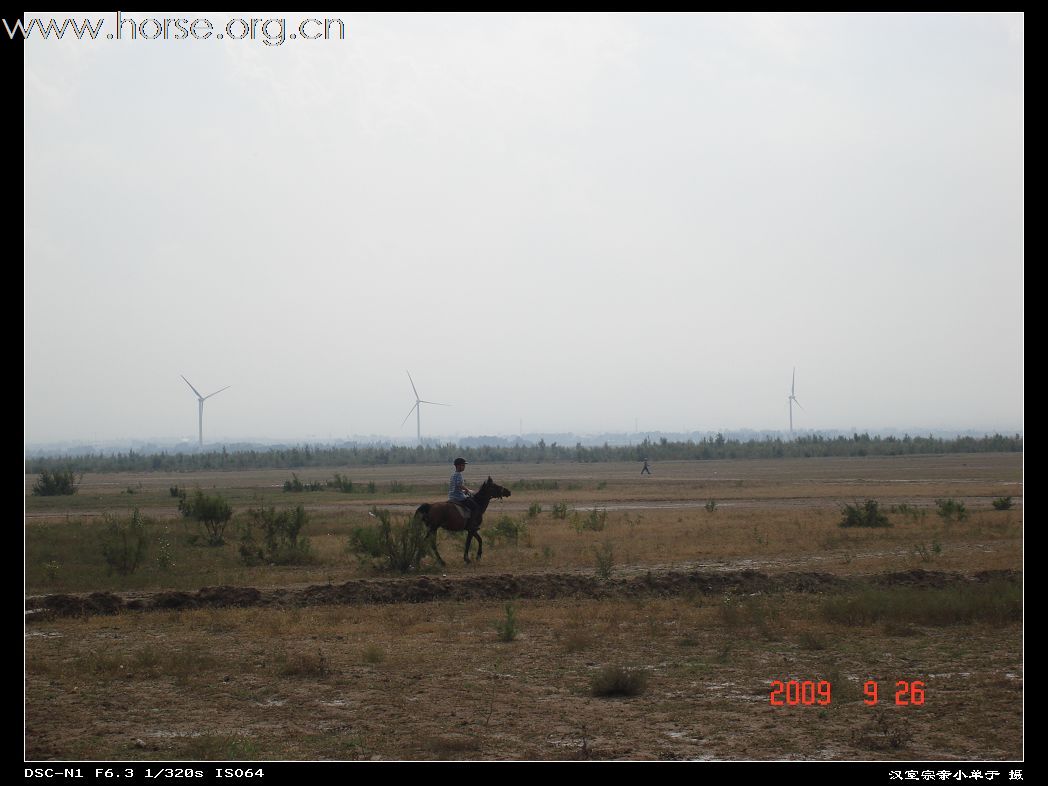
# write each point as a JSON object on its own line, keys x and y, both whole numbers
{"x": 462, "y": 509}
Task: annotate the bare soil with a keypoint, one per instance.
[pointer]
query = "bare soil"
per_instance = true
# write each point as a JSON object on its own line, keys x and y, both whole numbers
{"x": 498, "y": 661}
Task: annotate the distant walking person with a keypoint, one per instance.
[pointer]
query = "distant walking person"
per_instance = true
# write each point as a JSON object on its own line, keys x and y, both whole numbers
{"x": 646, "y": 468}
{"x": 457, "y": 491}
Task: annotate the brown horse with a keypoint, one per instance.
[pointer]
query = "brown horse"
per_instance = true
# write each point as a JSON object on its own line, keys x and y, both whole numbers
{"x": 446, "y": 515}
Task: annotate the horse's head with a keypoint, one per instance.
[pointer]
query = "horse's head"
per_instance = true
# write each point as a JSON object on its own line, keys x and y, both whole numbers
{"x": 493, "y": 490}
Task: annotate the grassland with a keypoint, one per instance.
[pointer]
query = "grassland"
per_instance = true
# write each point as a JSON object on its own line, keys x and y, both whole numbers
{"x": 441, "y": 680}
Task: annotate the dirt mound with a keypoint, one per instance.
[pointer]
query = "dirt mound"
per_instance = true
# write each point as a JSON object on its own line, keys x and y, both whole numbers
{"x": 932, "y": 579}
{"x": 82, "y": 605}
{"x": 539, "y": 586}
{"x": 228, "y": 596}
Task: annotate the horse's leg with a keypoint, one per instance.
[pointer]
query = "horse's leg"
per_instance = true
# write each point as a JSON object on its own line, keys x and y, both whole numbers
{"x": 432, "y": 537}
{"x": 480, "y": 545}
{"x": 465, "y": 552}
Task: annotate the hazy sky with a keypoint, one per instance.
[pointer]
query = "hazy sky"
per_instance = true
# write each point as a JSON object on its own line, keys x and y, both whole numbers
{"x": 577, "y": 222}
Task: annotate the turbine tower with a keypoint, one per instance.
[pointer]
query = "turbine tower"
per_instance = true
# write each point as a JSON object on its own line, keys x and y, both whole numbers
{"x": 200, "y": 402}
{"x": 793, "y": 399}
{"x": 417, "y": 409}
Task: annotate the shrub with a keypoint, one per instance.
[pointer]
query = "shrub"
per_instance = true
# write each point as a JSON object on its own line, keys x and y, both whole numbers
{"x": 124, "y": 542}
{"x": 866, "y": 515}
{"x": 605, "y": 560}
{"x": 559, "y": 510}
{"x": 534, "y": 509}
{"x": 52, "y": 570}
{"x": 176, "y": 492}
{"x": 405, "y": 544}
{"x": 1003, "y": 503}
{"x": 212, "y": 513}
{"x": 950, "y": 509}
{"x": 618, "y": 681}
{"x": 510, "y": 529}
{"x": 394, "y": 545}
{"x": 54, "y": 483}
{"x": 595, "y": 520}
{"x": 507, "y": 628}
{"x": 280, "y": 531}
{"x": 345, "y": 485}
{"x": 711, "y": 505}
{"x": 165, "y": 559}
{"x": 296, "y": 485}
{"x": 366, "y": 542}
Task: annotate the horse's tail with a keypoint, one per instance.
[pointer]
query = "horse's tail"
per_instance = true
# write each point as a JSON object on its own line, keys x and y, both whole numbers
{"x": 423, "y": 512}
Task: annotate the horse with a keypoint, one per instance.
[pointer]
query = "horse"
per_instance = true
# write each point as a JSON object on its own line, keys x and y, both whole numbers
{"x": 446, "y": 515}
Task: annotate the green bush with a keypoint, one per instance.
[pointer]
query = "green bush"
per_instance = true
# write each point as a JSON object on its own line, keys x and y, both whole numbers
{"x": 507, "y": 628}
{"x": 281, "y": 537}
{"x": 345, "y": 485}
{"x": 866, "y": 515}
{"x": 1003, "y": 503}
{"x": 212, "y": 513}
{"x": 510, "y": 529}
{"x": 559, "y": 510}
{"x": 534, "y": 509}
{"x": 405, "y": 544}
{"x": 595, "y": 520}
{"x": 366, "y": 542}
{"x": 711, "y": 505}
{"x": 54, "y": 483}
{"x": 392, "y": 545}
{"x": 124, "y": 542}
{"x": 295, "y": 485}
{"x": 950, "y": 509}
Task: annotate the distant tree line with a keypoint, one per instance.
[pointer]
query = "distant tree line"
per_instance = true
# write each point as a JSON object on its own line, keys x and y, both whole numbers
{"x": 709, "y": 449}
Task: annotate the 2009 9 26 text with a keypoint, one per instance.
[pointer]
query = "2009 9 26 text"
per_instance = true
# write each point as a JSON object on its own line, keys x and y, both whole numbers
{"x": 810, "y": 693}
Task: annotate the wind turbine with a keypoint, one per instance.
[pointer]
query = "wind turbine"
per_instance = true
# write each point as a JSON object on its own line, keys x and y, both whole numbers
{"x": 793, "y": 399}
{"x": 417, "y": 409}
{"x": 200, "y": 401}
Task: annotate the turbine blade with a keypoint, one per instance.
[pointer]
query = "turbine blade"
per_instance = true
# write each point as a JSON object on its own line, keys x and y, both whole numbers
{"x": 227, "y": 387}
{"x": 409, "y": 414}
{"x": 798, "y": 403}
{"x": 413, "y": 386}
{"x": 191, "y": 387}
{"x": 423, "y": 401}
{"x": 793, "y": 382}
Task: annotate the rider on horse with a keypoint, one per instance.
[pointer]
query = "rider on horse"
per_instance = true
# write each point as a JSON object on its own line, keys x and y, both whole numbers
{"x": 457, "y": 490}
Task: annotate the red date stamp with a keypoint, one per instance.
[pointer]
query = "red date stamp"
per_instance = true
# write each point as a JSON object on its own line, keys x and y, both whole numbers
{"x": 819, "y": 693}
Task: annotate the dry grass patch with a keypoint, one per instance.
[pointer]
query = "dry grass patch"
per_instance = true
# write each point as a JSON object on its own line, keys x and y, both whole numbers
{"x": 303, "y": 664}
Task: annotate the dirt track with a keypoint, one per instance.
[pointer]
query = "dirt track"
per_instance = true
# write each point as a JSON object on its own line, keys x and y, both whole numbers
{"x": 498, "y": 587}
